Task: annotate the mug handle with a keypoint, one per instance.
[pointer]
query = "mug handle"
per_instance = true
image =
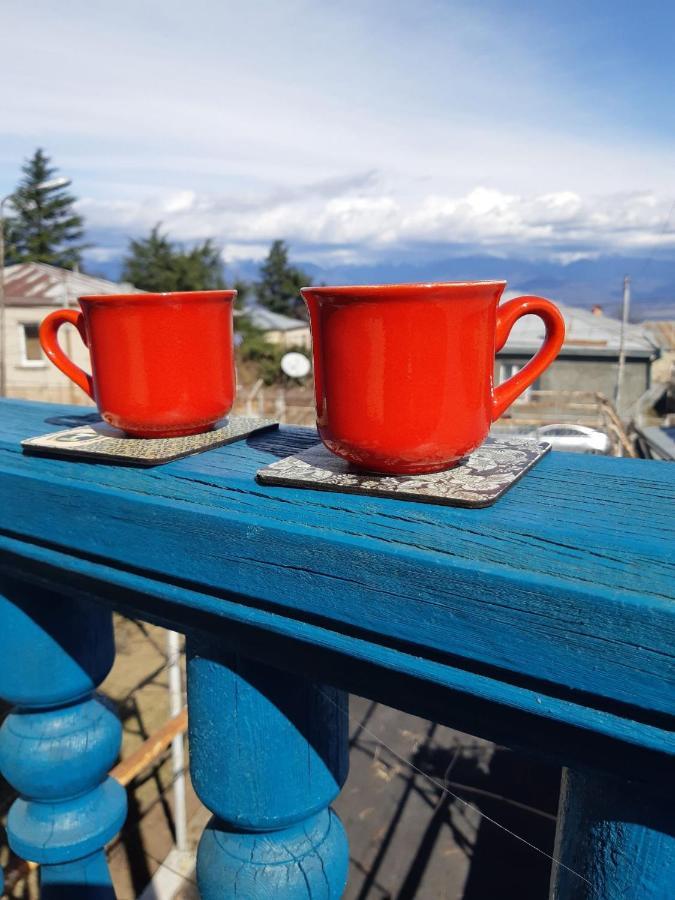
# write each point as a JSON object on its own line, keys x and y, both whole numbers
{"x": 50, "y": 344}
{"x": 507, "y": 315}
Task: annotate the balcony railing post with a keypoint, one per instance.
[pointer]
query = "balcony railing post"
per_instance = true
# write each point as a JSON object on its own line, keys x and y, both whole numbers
{"x": 268, "y": 754}
{"x": 616, "y": 839}
{"x": 59, "y": 742}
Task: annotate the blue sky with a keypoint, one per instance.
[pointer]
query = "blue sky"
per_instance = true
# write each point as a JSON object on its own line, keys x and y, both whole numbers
{"x": 359, "y": 131}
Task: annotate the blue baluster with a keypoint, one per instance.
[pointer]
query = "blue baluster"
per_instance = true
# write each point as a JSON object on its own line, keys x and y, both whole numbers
{"x": 268, "y": 754}
{"x": 58, "y": 744}
{"x": 616, "y": 838}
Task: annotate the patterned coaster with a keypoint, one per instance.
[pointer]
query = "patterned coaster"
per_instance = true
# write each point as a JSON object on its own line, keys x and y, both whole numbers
{"x": 103, "y": 442}
{"x": 477, "y": 481}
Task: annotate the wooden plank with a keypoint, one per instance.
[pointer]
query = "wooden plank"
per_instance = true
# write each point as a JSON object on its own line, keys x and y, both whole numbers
{"x": 510, "y": 714}
{"x": 567, "y": 581}
{"x": 131, "y": 766}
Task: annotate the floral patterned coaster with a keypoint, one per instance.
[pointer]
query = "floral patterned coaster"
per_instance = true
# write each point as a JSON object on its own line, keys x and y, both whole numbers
{"x": 103, "y": 442}
{"x": 477, "y": 481}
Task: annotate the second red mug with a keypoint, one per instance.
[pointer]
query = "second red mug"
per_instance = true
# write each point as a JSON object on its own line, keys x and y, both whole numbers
{"x": 403, "y": 373}
{"x": 162, "y": 365}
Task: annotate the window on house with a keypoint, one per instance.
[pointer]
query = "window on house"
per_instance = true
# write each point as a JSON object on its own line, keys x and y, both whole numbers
{"x": 506, "y": 370}
{"x": 32, "y": 352}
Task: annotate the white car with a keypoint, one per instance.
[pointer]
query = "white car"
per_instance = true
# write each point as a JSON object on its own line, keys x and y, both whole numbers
{"x": 573, "y": 438}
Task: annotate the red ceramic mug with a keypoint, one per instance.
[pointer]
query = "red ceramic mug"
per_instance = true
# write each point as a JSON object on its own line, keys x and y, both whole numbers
{"x": 162, "y": 364}
{"x": 403, "y": 373}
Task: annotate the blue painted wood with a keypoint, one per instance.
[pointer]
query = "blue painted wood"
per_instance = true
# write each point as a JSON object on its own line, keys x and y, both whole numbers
{"x": 83, "y": 879}
{"x": 511, "y": 714}
{"x": 548, "y": 619}
{"x": 59, "y": 742}
{"x": 617, "y": 840}
{"x": 547, "y": 585}
{"x": 307, "y": 861}
{"x": 268, "y": 754}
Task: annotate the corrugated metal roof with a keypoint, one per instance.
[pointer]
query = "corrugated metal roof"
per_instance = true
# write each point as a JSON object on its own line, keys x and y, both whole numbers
{"x": 267, "y": 320}
{"x": 39, "y": 284}
{"x": 583, "y": 331}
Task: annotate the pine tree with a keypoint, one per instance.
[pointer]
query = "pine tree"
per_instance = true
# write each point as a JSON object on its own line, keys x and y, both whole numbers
{"x": 158, "y": 264}
{"x": 44, "y": 226}
{"x": 243, "y": 289}
{"x": 280, "y": 283}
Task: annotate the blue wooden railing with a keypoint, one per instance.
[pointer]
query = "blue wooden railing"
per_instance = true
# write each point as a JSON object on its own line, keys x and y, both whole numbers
{"x": 545, "y": 623}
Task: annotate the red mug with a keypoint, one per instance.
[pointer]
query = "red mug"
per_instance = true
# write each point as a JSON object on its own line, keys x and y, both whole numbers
{"x": 403, "y": 373}
{"x": 162, "y": 365}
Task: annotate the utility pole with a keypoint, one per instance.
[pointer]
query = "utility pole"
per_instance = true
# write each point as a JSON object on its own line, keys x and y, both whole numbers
{"x": 622, "y": 342}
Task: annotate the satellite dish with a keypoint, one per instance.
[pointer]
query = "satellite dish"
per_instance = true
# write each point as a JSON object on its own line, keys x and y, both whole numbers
{"x": 295, "y": 365}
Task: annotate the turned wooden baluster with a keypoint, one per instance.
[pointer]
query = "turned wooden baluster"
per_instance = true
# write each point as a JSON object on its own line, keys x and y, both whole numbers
{"x": 59, "y": 742}
{"x": 616, "y": 839}
{"x": 268, "y": 754}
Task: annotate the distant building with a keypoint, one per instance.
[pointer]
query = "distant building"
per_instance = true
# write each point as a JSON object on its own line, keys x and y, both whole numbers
{"x": 32, "y": 290}
{"x": 280, "y": 329}
{"x": 588, "y": 361}
{"x": 589, "y": 357}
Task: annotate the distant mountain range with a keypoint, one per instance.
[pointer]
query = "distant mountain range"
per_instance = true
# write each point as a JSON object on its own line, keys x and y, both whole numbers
{"x": 584, "y": 283}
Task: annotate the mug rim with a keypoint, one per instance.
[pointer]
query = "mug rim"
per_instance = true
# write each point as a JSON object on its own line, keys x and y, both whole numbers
{"x": 377, "y": 288}
{"x": 158, "y": 295}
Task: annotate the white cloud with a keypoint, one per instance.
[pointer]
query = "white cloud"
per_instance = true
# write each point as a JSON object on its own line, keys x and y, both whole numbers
{"x": 566, "y": 259}
{"x": 353, "y": 130}
{"x": 237, "y": 252}
{"x": 180, "y": 202}
{"x": 102, "y": 254}
{"x": 212, "y": 94}
{"x": 357, "y": 219}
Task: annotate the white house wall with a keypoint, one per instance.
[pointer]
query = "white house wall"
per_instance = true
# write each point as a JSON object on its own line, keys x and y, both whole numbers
{"x": 41, "y": 382}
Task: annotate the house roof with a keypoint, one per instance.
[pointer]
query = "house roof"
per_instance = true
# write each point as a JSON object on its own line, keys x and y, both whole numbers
{"x": 39, "y": 284}
{"x": 267, "y": 320}
{"x": 585, "y": 334}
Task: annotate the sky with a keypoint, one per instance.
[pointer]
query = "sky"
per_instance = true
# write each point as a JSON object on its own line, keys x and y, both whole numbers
{"x": 360, "y": 132}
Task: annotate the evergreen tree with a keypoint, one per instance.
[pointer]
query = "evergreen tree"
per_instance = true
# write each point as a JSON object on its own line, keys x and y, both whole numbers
{"x": 157, "y": 264}
{"x": 44, "y": 226}
{"x": 280, "y": 283}
{"x": 243, "y": 289}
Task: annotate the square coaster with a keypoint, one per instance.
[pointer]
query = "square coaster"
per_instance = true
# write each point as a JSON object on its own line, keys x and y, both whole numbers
{"x": 477, "y": 481}
{"x": 103, "y": 442}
